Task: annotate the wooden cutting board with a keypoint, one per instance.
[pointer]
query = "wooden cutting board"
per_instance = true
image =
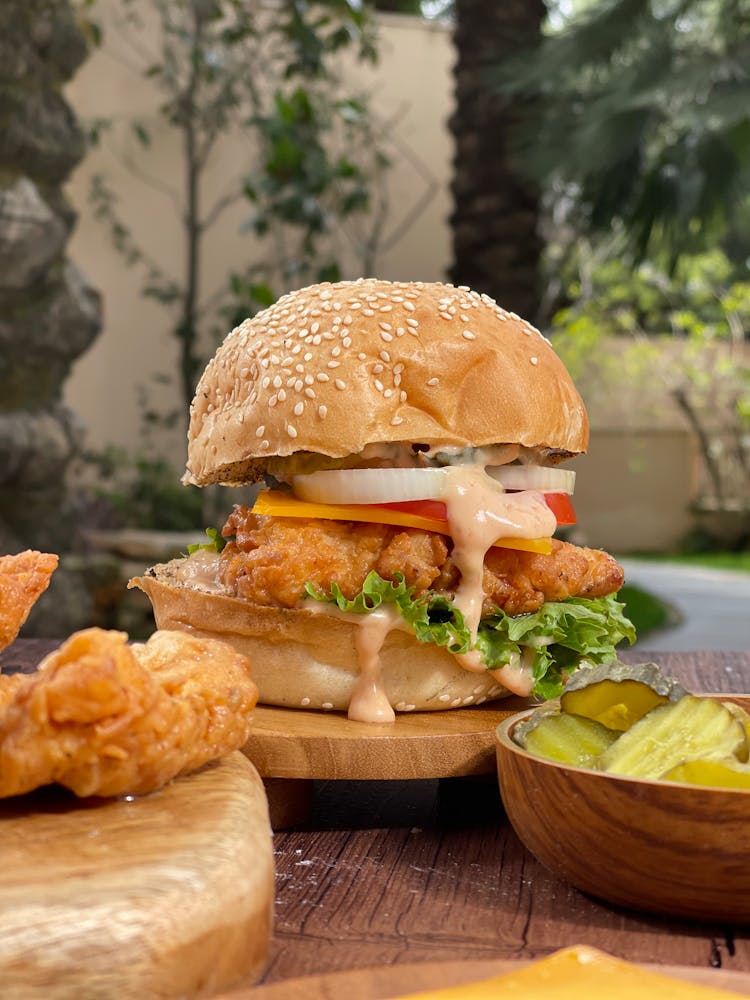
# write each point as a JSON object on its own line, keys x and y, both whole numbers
{"x": 168, "y": 895}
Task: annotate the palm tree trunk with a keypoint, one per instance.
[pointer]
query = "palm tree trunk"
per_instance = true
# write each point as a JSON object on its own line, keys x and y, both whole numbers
{"x": 496, "y": 243}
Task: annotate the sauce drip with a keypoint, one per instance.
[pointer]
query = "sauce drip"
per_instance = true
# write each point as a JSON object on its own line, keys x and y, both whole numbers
{"x": 369, "y": 702}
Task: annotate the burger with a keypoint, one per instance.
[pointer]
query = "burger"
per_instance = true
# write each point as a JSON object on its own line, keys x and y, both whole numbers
{"x": 402, "y": 552}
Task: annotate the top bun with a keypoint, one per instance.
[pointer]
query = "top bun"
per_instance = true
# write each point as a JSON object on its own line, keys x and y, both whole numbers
{"x": 333, "y": 368}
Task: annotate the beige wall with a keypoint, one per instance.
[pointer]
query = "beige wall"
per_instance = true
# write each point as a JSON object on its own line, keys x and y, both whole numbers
{"x": 411, "y": 93}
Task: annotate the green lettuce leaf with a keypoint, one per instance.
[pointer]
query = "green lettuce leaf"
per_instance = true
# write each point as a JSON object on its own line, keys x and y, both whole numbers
{"x": 561, "y": 634}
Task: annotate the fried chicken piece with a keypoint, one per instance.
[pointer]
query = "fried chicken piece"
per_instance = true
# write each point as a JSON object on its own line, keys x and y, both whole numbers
{"x": 23, "y": 578}
{"x": 272, "y": 558}
{"x": 102, "y": 717}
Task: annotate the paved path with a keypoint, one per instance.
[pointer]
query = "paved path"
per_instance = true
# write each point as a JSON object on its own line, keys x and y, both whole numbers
{"x": 714, "y": 605}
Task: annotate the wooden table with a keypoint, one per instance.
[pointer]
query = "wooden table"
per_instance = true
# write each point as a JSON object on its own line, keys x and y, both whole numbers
{"x": 398, "y": 872}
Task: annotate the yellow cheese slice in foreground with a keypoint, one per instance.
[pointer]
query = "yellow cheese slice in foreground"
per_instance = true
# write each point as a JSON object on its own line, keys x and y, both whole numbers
{"x": 278, "y": 504}
{"x": 578, "y": 973}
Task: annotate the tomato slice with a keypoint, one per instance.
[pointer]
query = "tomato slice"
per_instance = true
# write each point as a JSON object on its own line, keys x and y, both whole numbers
{"x": 559, "y": 503}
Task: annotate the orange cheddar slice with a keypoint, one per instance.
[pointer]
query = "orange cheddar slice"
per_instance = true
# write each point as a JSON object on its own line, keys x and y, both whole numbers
{"x": 278, "y": 504}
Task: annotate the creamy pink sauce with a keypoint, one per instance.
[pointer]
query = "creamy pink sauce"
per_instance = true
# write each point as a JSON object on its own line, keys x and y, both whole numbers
{"x": 200, "y": 570}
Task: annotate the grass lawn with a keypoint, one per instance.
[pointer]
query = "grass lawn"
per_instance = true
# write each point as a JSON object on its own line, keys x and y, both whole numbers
{"x": 713, "y": 560}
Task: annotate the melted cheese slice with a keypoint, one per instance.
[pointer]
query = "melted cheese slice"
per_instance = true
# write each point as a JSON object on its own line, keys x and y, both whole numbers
{"x": 278, "y": 504}
{"x": 578, "y": 973}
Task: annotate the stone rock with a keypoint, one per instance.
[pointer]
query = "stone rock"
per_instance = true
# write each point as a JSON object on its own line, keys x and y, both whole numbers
{"x": 39, "y": 39}
{"x": 39, "y": 134}
{"x": 35, "y": 447}
{"x": 32, "y": 235}
{"x": 54, "y": 330}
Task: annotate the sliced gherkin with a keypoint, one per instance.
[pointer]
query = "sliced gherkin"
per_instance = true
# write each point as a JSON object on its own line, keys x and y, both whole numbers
{"x": 726, "y": 773}
{"x": 618, "y": 694}
{"x": 689, "y": 729}
{"x": 568, "y": 739}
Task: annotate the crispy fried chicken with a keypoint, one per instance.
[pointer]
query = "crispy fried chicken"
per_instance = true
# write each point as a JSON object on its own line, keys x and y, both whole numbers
{"x": 270, "y": 559}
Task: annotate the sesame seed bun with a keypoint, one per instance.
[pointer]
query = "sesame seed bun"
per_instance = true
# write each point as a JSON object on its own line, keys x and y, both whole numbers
{"x": 332, "y": 368}
{"x": 304, "y": 659}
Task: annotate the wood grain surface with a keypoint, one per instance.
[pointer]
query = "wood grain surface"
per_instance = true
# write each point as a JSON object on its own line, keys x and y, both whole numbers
{"x": 168, "y": 895}
{"x": 389, "y": 982}
{"x": 389, "y": 873}
{"x": 293, "y": 743}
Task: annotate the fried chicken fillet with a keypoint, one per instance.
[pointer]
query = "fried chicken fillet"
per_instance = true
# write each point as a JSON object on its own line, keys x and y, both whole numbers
{"x": 102, "y": 717}
{"x": 23, "y": 579}
{"x": 270, "y": 559}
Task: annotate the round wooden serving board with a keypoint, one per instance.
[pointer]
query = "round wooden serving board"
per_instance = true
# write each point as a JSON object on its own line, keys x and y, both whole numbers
{"x": 168, "y": 895}
{"x": 398, "y": 980}
{"x": 294, "y": 743}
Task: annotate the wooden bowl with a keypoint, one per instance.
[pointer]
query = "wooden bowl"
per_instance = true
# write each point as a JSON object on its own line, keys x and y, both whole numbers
{"x": 659, "y": 846}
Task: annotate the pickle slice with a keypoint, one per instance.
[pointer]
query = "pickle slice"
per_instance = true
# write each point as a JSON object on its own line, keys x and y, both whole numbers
{"x": 726, "y": 773}
{"x": 689, "y": 729}
{"x": 566, "y": 738}
{"x": 618, "y": 694}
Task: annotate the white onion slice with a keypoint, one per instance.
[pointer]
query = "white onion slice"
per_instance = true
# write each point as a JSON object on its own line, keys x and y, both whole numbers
{"x": 369, "y": 485}
{"x": 533, "y": 477}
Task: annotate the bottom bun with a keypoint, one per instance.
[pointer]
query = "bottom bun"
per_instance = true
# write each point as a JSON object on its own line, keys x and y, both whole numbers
{"x": 308, "y": 659}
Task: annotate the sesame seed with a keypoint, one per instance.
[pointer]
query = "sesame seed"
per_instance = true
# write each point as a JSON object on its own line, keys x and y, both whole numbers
{"x": 277, "y": 381}
{"x": 387, "y": 337}
{"x": 413, "y": 323}
{"x": 273, "y": 400}
{"x": 377, "y": 369}
{"x": 264, "y": 445}
{"x": 300, "y": 369}
{"x": 340, "y": 383}
{"x": 260, "y": 431}
{"x": 305, "y": 701}
{"x": 378, "y": 385}
{"x": 396, "y": 421}
{"x": 307, "y": 356}
{"x": 368, "y": 312}
{"x": 385, "y": 356}
{"x": 316, "y": 339}
{"x": 386, "y": 308}
{"x": 322, "y": 377}
{"x": 322, "y": 410}
{"x": 291, "y": 431}
{"x": 409, "y": 306}
{"x": 468, "y": 335}
{"x": 314, "y": 327}
{"x": 361, "y": 356}
{"x": 397, "y": 380}
{"x": 327, "y": 704}
{"x": 334, "y": 364}
{"x": 298, "y": 385}
{"x": 385, "y": 326}
{"x": 534, "y": 361}
{"x": 388, "y": 393}
{"x": 266, "y": 382}
{"x": 309, "y": 380}
{"x": 445, "y": 315}
{"x": 299, "y": 409}
{"x": 310, "y": 393}
{"x": 432, "y": 381}
{"x": 336, "y": 351}
{"x": 400, "y": 331}
{"x": 402, "y": 396}
{"x": 347, "y": 341}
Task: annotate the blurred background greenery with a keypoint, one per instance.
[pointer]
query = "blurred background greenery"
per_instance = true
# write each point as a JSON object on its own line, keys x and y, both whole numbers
{"x": 592, "y": 173}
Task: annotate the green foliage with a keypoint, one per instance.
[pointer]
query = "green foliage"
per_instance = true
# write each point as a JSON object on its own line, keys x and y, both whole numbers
{"x": 269, "y": 73}
{"x": 639, "y": 110}
{"x": 684, "y": 331}
{"x": 143, "y": 491}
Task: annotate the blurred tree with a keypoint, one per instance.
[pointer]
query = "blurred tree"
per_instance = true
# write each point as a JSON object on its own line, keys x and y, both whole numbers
{"x": 269, "y": 71}
{"x": 642, "y": 120}
{"x": 496, "y": 242}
